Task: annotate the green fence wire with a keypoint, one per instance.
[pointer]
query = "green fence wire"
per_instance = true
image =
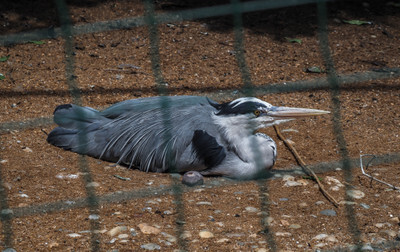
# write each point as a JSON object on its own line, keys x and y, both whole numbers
{"x": 151, "y": 19}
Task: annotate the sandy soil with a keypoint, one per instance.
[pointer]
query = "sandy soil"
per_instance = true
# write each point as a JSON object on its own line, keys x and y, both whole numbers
{"x": 198, "y": 57}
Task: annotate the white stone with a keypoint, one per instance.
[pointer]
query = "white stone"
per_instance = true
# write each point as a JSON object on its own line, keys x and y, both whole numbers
{"x": 206, "y": 234}
{"x": 356, "y": 194}
{"x": 320, "y": 237}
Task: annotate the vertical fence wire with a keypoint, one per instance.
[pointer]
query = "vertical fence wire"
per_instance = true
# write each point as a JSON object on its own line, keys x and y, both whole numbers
{"x": 83, "y": 165}
{"x": 152, "y": 25}
{"x": 248, "y": 90}
{"x": 336, "y": 118}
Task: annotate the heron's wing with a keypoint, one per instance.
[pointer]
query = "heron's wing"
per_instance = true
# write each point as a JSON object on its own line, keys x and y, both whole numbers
{"x": 153, "y": 139}
{"x": 150, "y": 103}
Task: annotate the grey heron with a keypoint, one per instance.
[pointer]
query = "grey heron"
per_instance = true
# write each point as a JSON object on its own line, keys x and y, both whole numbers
{"x": 194, "y": 133}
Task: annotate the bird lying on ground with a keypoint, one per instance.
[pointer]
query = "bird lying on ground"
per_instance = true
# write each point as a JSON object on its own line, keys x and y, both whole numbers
{"x": 177, "y": 134}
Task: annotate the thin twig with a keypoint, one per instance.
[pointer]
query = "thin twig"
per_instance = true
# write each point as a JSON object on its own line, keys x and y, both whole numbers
{"x": 371, "y": 177}
{"x": 304, "y": 166}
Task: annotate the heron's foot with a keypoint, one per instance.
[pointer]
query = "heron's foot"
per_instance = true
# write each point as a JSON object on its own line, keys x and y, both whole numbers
{"x": 192, "y": 178}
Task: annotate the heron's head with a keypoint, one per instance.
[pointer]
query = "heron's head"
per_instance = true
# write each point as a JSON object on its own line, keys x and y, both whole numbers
{"x": 256, "y": 113}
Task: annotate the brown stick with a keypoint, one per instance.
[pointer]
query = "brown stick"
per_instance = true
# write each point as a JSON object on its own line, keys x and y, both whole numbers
{"x": 304, "y": 166}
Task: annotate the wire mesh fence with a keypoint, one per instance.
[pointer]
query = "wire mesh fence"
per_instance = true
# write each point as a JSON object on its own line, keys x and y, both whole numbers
{"x": 333, "y": 82}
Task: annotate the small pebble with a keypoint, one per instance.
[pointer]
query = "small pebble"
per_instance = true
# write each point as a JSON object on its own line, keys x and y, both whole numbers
{"x": 284, "y": 234}
{"x": 117, "y": 230}
{"x": 147, "y": 229}
{"x": 206, "y": 234}
{"x": 94, "y": 217}
{"x": 365, "y": 206}
{"x": 288, "y": 178}
{"x": 328, "y": 212}
{"x": 74, "y": 235}
{"x": 223, "y": 240}
{"x": 192, "y": 178}
{"x": 391, "y": 233}
{"x": 303, "y": 205}
{"x": 133, "y": 232}
{"x": 355, "y": 194}
{"x": 290, "y": 183}
{"x": 203, "y": 203}
{"x": 92, "y": 184}
{"x": 186, "y": 234}
{"x": 27, "y": 149}
{"x": 366, "y": 247}
{"x": 251, "y": 209}
{"x": 320, "y": 237}
{"x": 123, "y": 236}
{"x": 294, "y": 226}
{"x": 151, "y": 246}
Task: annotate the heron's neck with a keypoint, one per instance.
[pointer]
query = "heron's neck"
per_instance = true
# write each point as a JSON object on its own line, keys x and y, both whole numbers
{"x": 237, "y": 132}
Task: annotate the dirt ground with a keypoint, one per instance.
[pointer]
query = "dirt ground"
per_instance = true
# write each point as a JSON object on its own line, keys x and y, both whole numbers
{"x": 199, "y": 57}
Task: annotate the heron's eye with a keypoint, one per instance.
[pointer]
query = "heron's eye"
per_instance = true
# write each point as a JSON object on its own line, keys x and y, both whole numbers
{"x": 257, "y": 113}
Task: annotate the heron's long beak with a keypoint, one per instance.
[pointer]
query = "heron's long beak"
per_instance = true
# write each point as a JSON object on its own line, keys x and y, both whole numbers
{"x": 288, "y": 112}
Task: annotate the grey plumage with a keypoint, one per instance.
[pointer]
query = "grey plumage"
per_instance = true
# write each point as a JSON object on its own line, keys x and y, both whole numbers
{"x": 175, "y": 134}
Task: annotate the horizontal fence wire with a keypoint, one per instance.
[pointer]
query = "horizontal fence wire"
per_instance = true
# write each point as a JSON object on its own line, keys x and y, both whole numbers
{"x": 67, "y": 31}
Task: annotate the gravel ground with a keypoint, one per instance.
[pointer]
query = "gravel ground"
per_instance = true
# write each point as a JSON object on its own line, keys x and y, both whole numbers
{"x": 139, "y": 211}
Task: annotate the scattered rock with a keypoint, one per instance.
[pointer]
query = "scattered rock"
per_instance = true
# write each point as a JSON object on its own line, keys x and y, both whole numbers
{"x": 331, "y": 238}
{"x": 223, "y": 240}
{"x": 52, "y": 245}
{"x": 192, "y": 178}
{"x": 355, "y": 194}
{"x": 94, "y": 217}
{"x": 92, "y": 184}
{"x": 203, "y": 203}
{"x": 364, "y": 205}
{"x": 284, "y": 234}
{"x": 303, "y": 205}
{"x": 251, "y": 209}
{"x": 381, "y": 225}
{"x": 123, "y": 236}
{"x": 328, "y": 212}
{"x": 332, "y": 180}
{"x": 319, "y": 203}
{"x": 391, "y": 233}
{"x": 186, "y": 234}
{"x": 290, "y": 183}
{"x": 345, "y": 202}
{"x": 27, "y": 149}
{"x": 147, "y": 229}
{"x": 288, "y": 178}
{"x": 285, "y": 222}
{"x": 320, "y": 237}
{"x": 133, "y": 232}
{"x": 268, "y": 220}
{"x": 294, "y": 226}
{"x": 366, "y": 247}
{"x": 395, "y": 219}
{"x": 167, "y": 212}
{"x": 117, "y": 230}
{"x": 151, "y": 246}
{"x": 206, "y": 234}
{"x": 170, "y": 238}
{"x": 74, "y": 235}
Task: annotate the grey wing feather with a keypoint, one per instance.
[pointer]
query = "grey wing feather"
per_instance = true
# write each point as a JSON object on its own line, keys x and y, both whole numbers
{"x": 148, "y": 139}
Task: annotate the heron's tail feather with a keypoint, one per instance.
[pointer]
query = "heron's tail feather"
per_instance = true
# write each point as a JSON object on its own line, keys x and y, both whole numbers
{"x": 63, "y": 138}
{"x": 71, "y": 116}
{"x": 78, "y": 128}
